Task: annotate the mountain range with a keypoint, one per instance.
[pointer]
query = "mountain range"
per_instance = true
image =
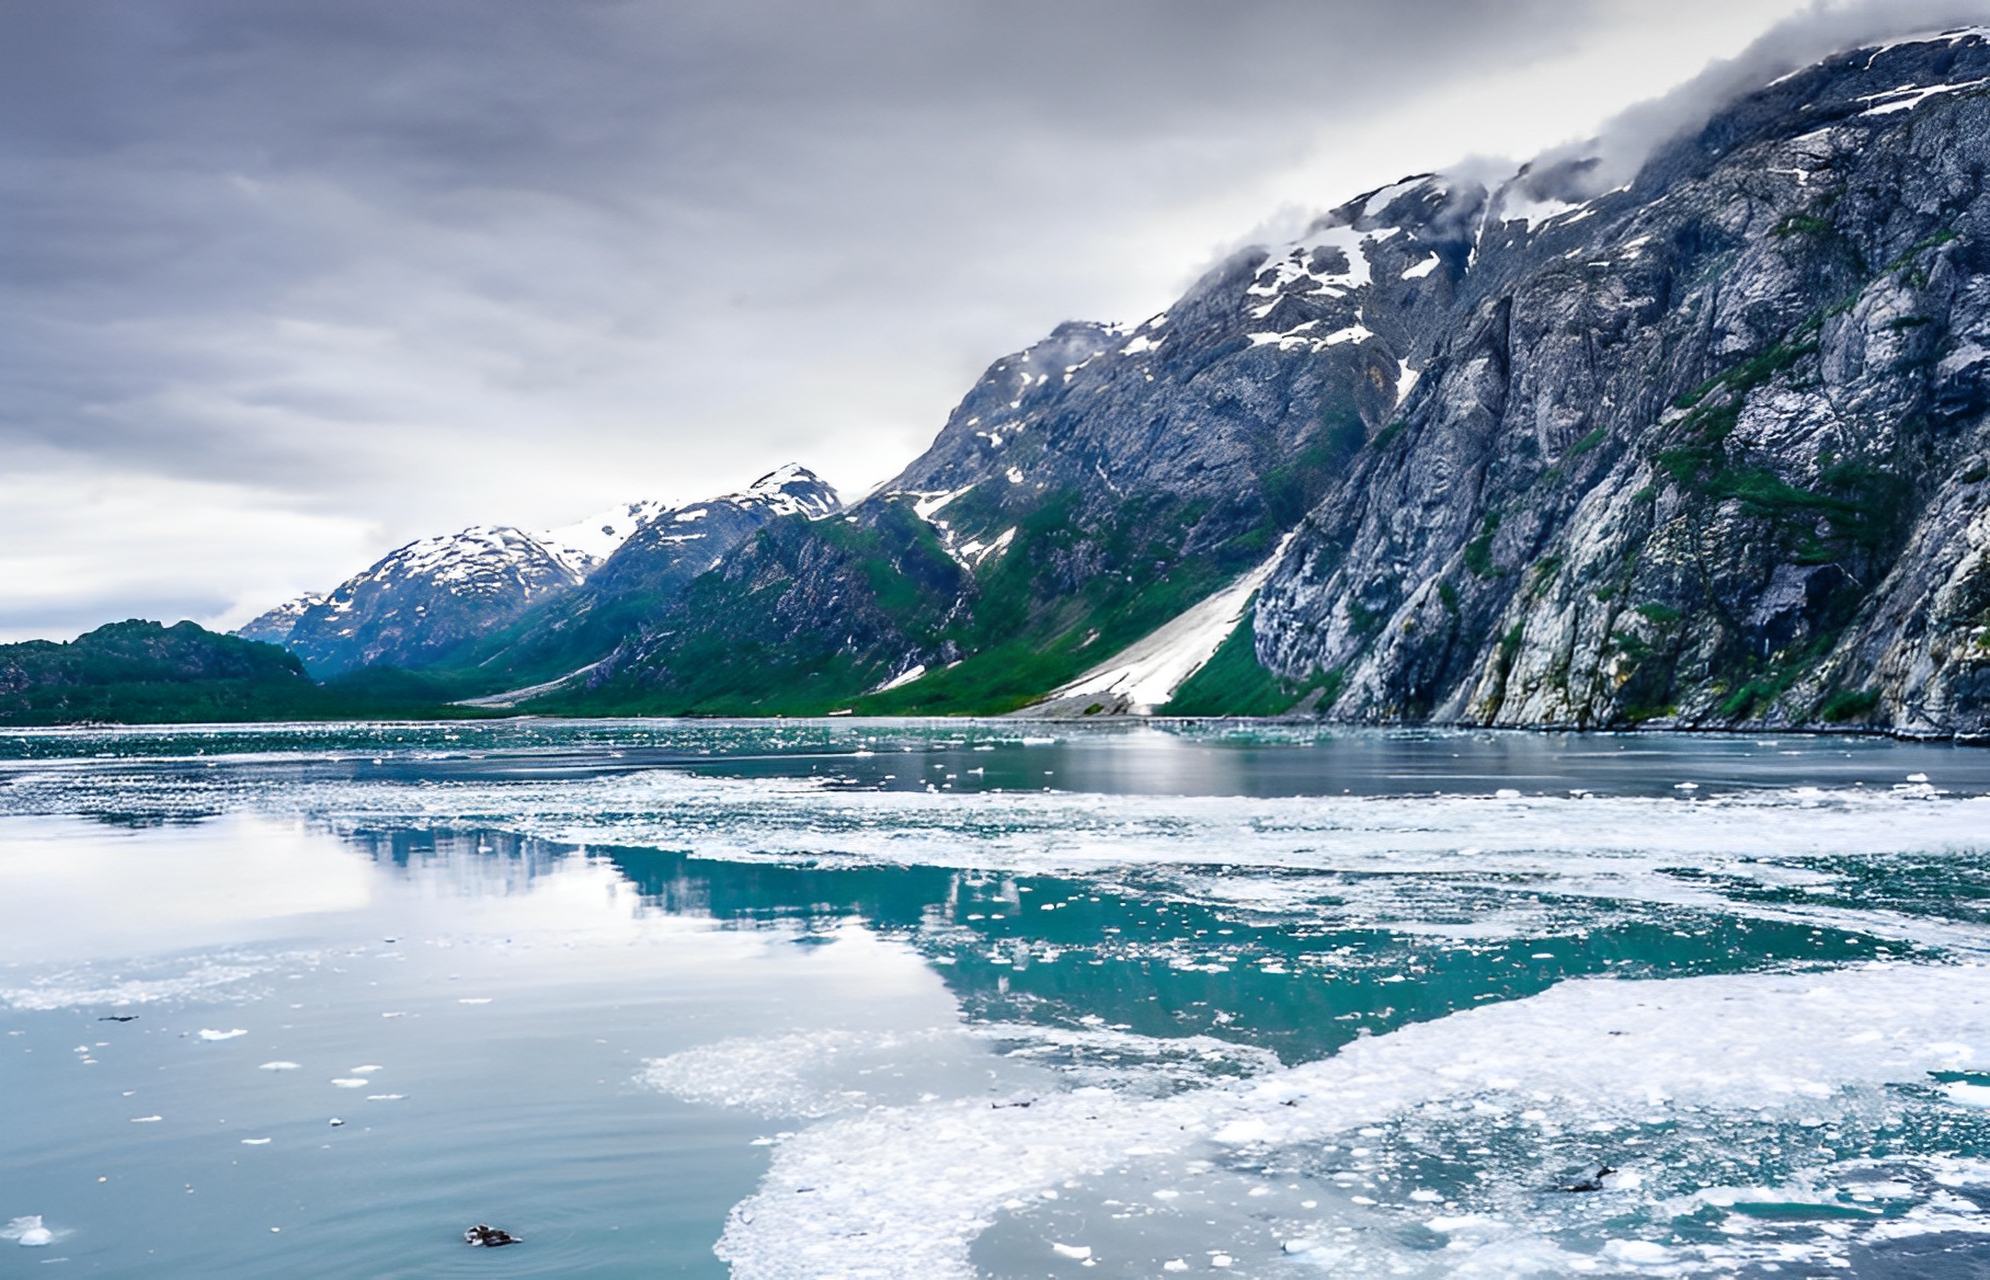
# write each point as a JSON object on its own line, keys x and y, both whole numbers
{"x": 1699, "y": 446}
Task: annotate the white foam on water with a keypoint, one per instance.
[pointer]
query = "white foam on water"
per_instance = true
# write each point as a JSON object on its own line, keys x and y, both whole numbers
{"x": 903, "y": 1191}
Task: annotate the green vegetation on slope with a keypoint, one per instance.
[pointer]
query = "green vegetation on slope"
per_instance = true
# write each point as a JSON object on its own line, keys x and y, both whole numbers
{"x": 138, "y": 672}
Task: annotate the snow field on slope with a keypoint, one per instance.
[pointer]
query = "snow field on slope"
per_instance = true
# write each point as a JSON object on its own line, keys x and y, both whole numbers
{"x": 1149, "y": 671}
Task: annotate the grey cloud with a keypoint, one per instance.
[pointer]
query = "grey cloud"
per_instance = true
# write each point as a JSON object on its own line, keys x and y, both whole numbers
{"x": 431, "y": 263}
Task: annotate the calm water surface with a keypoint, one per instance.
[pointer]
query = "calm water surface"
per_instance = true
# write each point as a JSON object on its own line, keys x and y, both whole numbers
{"x": 946, "y": 999}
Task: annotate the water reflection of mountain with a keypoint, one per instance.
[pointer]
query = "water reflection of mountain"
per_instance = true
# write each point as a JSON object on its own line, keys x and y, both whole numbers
{"x": 1299, "y": 973}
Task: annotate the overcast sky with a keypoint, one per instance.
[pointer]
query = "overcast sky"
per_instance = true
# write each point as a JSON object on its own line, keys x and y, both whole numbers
{"x": 289, "y": 283}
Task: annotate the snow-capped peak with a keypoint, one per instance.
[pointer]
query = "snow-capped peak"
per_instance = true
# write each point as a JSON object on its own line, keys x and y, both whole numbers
{"x": 586, "y": 543}
{"x": 789, "y": 490}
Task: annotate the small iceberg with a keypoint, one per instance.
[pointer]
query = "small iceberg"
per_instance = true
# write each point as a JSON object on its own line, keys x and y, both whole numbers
{"x": 277, "y": 1066}
{"x": 28, "y": 1232}
{"x": 210, "y": 1034}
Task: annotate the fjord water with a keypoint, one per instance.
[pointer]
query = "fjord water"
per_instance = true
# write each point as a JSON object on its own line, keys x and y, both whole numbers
{"x": 932, "y": 999}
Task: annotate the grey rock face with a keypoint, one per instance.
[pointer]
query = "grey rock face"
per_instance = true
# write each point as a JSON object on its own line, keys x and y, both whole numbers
{"x": 1706, "y": 451}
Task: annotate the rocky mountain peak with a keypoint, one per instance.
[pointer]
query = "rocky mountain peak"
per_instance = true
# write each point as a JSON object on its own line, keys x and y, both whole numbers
{"x": 790, "y": 490}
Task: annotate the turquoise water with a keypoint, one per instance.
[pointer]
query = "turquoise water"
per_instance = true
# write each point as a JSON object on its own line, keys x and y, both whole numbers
{"x": 935, "y": 999}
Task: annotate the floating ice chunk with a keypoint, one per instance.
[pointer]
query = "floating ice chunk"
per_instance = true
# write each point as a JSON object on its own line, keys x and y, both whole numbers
{"x": 351, "y": 1082}
{"x": 1240, "y": 1132}
{"x": 147, "y": 1119}
{"x": 385, "y": 1097}
{"x": 487, "y": 999}
{"x": 277, "y": 1066}
{"x": 1968, "y": 1095}
{"x": 28, "y": 1232}
{"x": 210, "y": 1034}
{"x": 1220, "y": 1259}
{"x": 365, "y": 1070}
{"x": 1638, "y": 1253}
{"x": 1917, "y": 777}
{"x": 1174, "y": 1264}
{"x": 255, "y": 1142}
{"x": 1078, "y": 1251}
{"x": 1506, "y": 793}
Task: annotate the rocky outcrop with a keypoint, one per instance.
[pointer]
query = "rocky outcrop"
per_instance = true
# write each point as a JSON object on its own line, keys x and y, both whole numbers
{"x": 1709, "y": 450}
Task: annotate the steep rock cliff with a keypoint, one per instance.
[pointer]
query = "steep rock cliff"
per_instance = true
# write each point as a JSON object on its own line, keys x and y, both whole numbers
{"x": 1708, "y": 450}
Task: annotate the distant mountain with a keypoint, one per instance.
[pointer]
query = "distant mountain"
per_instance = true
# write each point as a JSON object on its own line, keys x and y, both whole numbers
{"x": 423, "y": 601}
{"x": 1707, "y": 449}
{"x": 639, "y": 582}
{"x": 435, "y": 601}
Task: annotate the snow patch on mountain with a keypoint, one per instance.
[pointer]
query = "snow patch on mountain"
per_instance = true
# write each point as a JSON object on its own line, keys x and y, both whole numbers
{"x": 1146, "y": 674}
{"x": 584, "y": 544}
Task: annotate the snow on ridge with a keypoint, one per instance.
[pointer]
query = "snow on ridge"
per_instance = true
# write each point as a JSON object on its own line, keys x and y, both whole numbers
{"x": 1296, "y": 261}
{"x": 1952, "y": 36}
{"x": 1908, "y": 96}
{"x": 1418, "y": 271}
{"x": 1380, "y": 200}
{"x": 451, "y": 560}
{"x": 772, "y": 491}
{"x": 586, "y": 543}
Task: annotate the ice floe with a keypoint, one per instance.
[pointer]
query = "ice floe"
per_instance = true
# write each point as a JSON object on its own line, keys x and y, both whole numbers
{"x": 904, "y": 1190}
